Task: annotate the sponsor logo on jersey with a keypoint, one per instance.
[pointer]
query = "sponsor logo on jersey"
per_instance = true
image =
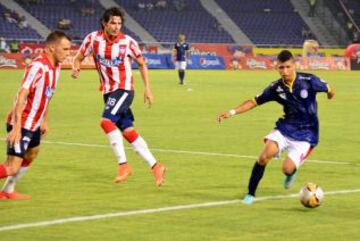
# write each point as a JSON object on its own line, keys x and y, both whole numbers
{"x": 109, "y": 62}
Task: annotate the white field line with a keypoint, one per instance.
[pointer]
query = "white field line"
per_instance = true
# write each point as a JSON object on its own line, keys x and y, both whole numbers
{"x": 155, "y": 210}
{"x": 194, "y": 152}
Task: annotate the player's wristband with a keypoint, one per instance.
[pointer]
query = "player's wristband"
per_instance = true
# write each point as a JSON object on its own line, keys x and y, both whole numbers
{"x": 232, "y": 112}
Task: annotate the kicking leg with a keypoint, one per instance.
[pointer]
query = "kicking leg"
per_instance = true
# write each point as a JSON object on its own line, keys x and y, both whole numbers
{"x": 289, "y": 169}
{"x": 297, "y": 153}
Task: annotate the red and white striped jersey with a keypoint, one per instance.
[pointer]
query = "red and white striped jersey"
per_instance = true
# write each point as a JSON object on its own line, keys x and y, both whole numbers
{"x": 112, "y": 59}
{"x": 40, "y": 79}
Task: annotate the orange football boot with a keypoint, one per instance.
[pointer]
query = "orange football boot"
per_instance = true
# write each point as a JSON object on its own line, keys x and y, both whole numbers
{"x": 14, "y": 196}
{"x": 159, "y": 174}
{"x": 124, "y": 171}
{"x": 3, "y": 196}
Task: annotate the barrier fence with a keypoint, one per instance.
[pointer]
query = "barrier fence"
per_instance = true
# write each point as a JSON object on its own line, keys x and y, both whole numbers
{"x": 203, "y": 56}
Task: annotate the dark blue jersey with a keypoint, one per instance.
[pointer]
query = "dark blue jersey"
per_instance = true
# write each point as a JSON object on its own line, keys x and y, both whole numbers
{"x": 300, "y": 121}
{"x": 181, "y": 49}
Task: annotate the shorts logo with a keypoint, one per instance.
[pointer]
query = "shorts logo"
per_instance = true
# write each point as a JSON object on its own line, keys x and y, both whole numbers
{"x": 304, "y": 94}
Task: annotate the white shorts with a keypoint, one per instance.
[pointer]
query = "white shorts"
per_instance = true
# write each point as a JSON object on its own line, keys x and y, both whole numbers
{"x": 297, "y": 150}
{"x": 180, "y": 65}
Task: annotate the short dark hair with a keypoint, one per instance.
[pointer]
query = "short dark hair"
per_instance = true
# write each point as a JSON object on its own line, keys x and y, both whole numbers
{"x": 114, "y": 11}
{"x": 56, "y": 36}
{"x": 284, "y": 56}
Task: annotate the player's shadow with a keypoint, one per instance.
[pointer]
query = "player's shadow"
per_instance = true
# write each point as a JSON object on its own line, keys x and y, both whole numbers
{"x": 299, "y": 209}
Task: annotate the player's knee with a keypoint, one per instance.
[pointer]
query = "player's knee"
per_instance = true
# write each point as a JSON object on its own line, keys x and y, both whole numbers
{"x": 130, "y": 135}
{"x": 107, "y": 125}
{"x": 263, "y": 159}
{"x": 288, "y": 169}
{"x": 30, "y": 156}
{"x": 11, "y": 170}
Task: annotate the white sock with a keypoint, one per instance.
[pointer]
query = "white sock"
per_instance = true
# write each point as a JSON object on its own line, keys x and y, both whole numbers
{"x": 116, "y": 141}
{"x": 9, "y": 185}
{"x": 142, "y": 149}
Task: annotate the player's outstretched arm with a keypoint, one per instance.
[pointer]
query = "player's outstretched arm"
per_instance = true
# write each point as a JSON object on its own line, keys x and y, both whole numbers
{"x": 148, "y": 97}
{"x": 76, "y": 65}
{"x": 246, "y": 106}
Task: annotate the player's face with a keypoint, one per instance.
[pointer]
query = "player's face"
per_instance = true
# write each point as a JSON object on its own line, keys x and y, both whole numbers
{"x": 181, "y": 38}
{"x": 287, "y": 70}
{"x": 113, "y": 26}
{"x": 61, "y": 50}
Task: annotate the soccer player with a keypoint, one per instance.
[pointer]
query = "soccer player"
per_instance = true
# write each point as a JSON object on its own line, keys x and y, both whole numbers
{"x": 298, "y": 131}
{"x": 181, "y": 53}
{"x": 112, "y": 52}
{"x": 27, "y": 122}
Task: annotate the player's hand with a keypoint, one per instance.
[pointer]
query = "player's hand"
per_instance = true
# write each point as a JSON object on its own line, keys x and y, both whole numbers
{"x": 75, "y": 72}
{"x": 223, "y": 116}
{"x": 14, "y": 136}
{"x": 330, "y": 94}
{"x": 148, "y": 97}
{"x": 44, "y": 129}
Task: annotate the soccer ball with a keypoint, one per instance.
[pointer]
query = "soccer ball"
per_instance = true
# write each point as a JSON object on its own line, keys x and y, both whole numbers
{"x": 311, "y": 195}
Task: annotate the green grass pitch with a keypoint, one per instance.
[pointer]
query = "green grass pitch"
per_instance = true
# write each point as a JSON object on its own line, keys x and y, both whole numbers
{"x": 72, "y": 180}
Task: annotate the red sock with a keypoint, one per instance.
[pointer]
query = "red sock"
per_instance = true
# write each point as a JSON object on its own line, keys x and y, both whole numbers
{"x": 130, "y": 136}
{"x": 3, "y": 172}
{"x": 26, "y": 163}
{"x": 107, "y": 125}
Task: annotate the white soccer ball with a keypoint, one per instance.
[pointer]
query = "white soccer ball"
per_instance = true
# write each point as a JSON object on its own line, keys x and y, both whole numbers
{"x": 311, "y": 195}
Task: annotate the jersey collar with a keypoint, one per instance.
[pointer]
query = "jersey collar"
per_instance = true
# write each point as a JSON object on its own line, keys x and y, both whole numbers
{"x": 291, "y": 84}
{"x": 120, "y": 36}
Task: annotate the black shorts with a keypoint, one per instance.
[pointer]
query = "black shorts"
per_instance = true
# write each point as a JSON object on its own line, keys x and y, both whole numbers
{"x": 29, "y": 139}
{"x": 117, "y": 108}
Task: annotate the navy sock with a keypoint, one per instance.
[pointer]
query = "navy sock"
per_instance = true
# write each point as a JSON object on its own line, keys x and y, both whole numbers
{"x": 288, "y": 175}
{"x": 181, "y": 76}
{"x": 256, "y": 175}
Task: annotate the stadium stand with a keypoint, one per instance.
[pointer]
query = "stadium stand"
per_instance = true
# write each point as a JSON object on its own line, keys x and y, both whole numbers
{"x": 270, "y": 22}
{"x": 12, "y": 31}
{"x": 84, "y": 16}
{"x": 266, "y": 22}
{"x": 341, "y": 12}
{"x": 186, "y": 16}
{"x": 354, "y": 8}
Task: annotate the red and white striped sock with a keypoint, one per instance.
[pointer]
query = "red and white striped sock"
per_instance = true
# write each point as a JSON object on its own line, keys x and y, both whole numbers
{"x": 3, "y": 172}
{"x": 9, "y": 185}
{"x": 115, "y": 138}
{"x": 140, "y": 146}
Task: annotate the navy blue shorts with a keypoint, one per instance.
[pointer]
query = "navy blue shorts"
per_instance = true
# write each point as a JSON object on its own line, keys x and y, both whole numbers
{"x": 117, "y": 108}
{"x": 29, "y": 139}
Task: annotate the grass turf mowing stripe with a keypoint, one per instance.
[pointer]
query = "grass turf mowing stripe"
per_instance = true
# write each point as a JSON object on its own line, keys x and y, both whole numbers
{"x": 156, "y": 210}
